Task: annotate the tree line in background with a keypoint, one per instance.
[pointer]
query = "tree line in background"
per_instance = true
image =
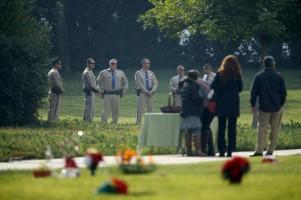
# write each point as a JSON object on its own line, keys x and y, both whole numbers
{"x": 172, "y": 32}
{"x": 169, "y": 32}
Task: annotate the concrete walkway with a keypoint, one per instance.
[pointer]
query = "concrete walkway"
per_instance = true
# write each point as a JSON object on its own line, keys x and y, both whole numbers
{"x": 110, "y": 160}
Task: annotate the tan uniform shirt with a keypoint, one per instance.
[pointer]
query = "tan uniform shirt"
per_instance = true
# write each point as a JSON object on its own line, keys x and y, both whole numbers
{"x": 140, "y": 80}
{"x": 174, "y": 84}
{"x": 89, "y": 81}
{"x": 55, "y": 80}
{"x": 104, "y": 81}
{"x": 174, "y": 88}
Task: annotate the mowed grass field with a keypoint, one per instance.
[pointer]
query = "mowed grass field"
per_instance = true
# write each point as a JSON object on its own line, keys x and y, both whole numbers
{"x": 281, "y": 181}
{"x": 72, "y": 100}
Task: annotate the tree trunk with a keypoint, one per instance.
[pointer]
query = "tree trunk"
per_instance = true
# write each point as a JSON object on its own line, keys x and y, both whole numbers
{"x": 264, "y": 51}
{"x": 62, "y": 37}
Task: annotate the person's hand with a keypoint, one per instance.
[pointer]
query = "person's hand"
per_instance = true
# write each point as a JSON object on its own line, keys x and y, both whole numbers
{"x": 253, "y": 109}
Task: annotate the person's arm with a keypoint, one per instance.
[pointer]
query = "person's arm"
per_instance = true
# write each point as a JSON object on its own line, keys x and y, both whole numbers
{"x": 173, "y": 86}
{"x": 57, "y": 82}
{"x": 124, "y": 83}
{"x": 155, "y": 84}
{"x": 139, "y": 82}
{"x": 91, "y": 82}
{"x": 283, "y": 92}
{"x": 254, "y": 92}
{"x": 99, "y": 83}
{"x": 196, "y": 94}
{"x": 240, "y": 84}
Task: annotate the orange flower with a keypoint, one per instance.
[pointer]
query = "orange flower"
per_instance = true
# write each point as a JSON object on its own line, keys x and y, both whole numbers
{"x": 128, "y": 155}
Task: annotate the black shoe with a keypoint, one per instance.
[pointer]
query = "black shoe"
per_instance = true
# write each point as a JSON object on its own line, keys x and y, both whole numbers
{"x": 255, "y": 154}
{"x": 268, "y": 153}
{"x": 229, "y": 154}
{"x": 221, "y": 155}
{"x": 211, "y": 154}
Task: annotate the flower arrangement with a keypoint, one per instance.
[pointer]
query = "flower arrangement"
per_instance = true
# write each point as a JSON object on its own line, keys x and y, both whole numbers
{"x": 93, "y": 157}
{"x": 70, "y": 147}
{"x": 132, "y": 163}
{"x": 70, "y": 169}
{"x": 114, "y": 186}
{"x": 234, "y": 169}
{"x": 42, "y": 171}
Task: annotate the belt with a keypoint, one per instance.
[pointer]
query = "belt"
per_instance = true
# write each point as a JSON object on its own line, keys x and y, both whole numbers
{"x": 116, "y": 92}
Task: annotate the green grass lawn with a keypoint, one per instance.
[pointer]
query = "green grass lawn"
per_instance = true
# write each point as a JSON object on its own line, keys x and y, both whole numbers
{"x": 196, "y": 181}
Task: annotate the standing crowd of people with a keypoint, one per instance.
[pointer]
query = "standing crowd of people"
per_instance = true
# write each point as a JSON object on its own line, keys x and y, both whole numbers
{"x": 111, "y": 85}
{"x": 200, "y": 98}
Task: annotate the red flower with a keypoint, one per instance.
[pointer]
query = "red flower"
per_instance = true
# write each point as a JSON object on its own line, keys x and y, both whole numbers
{"x": 235, "y": 168}
{"x": 70, "y": 163}
{"x": 95, "y": 157}
{"x": 121, "y": 186}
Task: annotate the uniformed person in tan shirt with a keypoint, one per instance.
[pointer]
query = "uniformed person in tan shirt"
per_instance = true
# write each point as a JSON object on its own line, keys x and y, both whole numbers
{"x": 55, "y": 90}
{"x": 90, "y": 89}
{"x": 113, "y": 85}
{"x": 174, "y": 85}
{"x": 146, "y": 86}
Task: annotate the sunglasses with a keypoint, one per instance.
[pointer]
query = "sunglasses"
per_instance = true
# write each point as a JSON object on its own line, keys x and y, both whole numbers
{"x": 114, "y": 63}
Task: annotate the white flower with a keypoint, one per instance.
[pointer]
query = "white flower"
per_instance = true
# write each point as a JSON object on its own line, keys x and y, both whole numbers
{"x": 76, "y": 148}
{"x": 80, "y": 133}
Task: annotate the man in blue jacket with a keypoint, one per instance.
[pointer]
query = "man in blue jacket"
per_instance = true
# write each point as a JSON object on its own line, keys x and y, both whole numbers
{"x": 269, "y": 87}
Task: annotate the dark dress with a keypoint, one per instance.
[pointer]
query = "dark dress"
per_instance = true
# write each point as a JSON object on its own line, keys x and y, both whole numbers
{"x": 227, "y": 109}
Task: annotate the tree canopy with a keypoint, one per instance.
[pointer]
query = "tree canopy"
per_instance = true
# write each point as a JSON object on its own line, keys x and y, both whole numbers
{"x": 229, "y": 21}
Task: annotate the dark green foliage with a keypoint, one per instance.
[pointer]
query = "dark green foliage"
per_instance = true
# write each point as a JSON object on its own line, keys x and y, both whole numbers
{"x": 31, "y": 142}
{"x": 229, "y": 21}
{"x": 24, "y": 53}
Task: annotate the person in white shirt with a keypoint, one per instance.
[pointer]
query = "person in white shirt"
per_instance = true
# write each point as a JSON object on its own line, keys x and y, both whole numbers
{"x": 146, "y": 85}
{"x": 174, "y": 85}
{"x": 209, "y": 75}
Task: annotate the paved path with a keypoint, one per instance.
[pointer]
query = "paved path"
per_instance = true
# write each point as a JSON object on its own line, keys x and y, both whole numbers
{"x": 110, "y": 160}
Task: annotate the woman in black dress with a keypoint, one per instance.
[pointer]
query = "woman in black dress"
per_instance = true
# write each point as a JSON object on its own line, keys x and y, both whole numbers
{"x": 227, "y": 85}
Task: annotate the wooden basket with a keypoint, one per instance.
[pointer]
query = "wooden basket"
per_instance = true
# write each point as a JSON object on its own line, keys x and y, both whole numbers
{"x": 170, "y": 108}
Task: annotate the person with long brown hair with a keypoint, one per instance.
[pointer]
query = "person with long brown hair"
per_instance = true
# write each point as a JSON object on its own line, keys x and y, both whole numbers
{"x": 227, "y": 85}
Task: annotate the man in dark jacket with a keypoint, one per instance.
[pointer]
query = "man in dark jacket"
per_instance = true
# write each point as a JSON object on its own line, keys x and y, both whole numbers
{"x": 269, "y": 87}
